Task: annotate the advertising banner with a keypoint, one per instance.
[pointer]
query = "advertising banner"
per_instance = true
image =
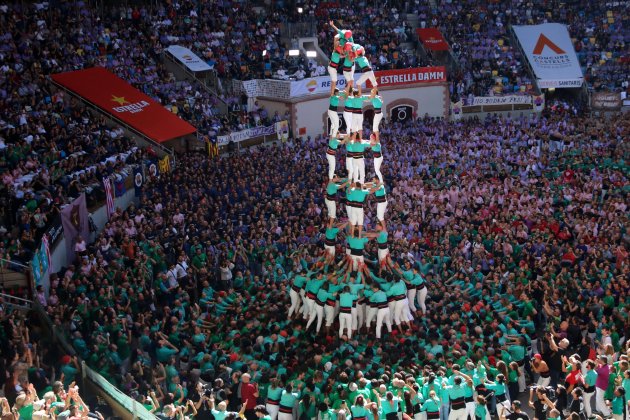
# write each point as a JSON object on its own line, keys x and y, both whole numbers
{"x": 606, "y": 100}
{"x": 401, "y": 77}
{"x": 502, "y": 100}
{"x": 122, "y": 101}
{"x": 188, "y": 58}
{"x": 247, "y": 134}
{"x": 550, "y": 53}
{"x": 432, "y": 39}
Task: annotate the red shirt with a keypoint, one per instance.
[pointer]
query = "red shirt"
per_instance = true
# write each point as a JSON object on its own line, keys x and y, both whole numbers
{"x": 248, "y": 392}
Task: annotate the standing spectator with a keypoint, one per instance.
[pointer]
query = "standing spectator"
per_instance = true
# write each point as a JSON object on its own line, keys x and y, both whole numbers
{"x": 603, "y": 374}
{"x": 249, "y": 394}
{"x": 226, "y": 276}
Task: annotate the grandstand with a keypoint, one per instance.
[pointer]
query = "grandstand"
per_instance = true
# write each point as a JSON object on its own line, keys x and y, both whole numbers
{"x": 166, "y": 214}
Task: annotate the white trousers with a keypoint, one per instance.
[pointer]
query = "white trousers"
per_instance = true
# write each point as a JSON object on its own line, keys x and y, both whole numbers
{"x": 285, "y": 416}
{"x": 308, "y": 305}
{"x": 345, "y": 323}
{"x": 347, "y": 117}
{"x": 457, "y": 414}
{"x": 600, "y": 403}
{"x": 421, "y": 296}
{"x": 544, "y": 382}
{"x": 356, "y": 216}
{"x": 333, "y": 73}
{"x": 377, "y": 167}
{"x": 368, "y": 75}
{"x": 272, "y": 409}
{"x": 411, "y": 297}
{"x": 470, "y": 409}
{"x": 399, "y": 312}
{"x": 357, "y": 122}
{"x": 371, "y": 314}
{"x": 334, "y": 122}
{"x": 407, "y": 315}
{"x": 382, "y": 315}
{"x": 380, "y": 211}
{"x": 330, "y": 250}
{"x": 360, "y": 315}
{"x": 382, "y": 254}
{"x": 356, "y": 261}
{"x": 587, "y": 403}
{"x": 521, "y": 379}
{"x": 295, "y": 302}
{"x": 329, "y": 313}
{"x": 377, "y": 121}
{"x": 349, "y": 168}
{"x": 358, "y": 167}
{"x": 317, "y": 312}
{"x": 331, "y": 206}
{"x": 349, "y": 75}
{"x": 332, "y": 163}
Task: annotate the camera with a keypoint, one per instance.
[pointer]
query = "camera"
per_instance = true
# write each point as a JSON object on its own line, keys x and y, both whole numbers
{"x": 207, "y": 392}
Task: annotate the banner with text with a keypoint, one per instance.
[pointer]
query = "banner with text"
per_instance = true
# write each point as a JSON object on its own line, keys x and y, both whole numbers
{"x": 550, "y": 52}
{"x": 606, "y": 100}
{"x": 402, "y": 77}
{"x": 432, "y": 39}
{"x": 501, "y": 100}
{"x": 250, "y": 133}
{"x": 188, "y": 58}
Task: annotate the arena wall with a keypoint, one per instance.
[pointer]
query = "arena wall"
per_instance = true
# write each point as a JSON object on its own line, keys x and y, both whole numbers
{"x": 309, "y": 116}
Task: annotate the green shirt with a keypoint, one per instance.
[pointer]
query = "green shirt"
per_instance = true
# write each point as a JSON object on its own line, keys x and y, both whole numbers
{"x": 331, "y": 233}
{"x": 164, "y": 353}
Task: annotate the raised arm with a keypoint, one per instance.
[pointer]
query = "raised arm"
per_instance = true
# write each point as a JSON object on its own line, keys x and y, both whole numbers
{"x": 332, "y": 25}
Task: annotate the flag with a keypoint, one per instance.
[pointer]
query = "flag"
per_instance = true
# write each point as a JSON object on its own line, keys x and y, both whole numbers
{"x": 75, "y": 222}
{"x": 213, "y": 147}
{"x": 164, "y": 165}
{"x": 109, "y": 196}
{"x": 138, "y": 180}
{"x": 36, "y": 269}
{"x": 282, "y": 128}
{"x": 153, "y": 168}
{"x": 119, "y": 187}
{"x": 46, "y": 246}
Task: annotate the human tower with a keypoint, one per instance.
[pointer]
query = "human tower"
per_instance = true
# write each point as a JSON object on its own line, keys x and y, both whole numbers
{"x": 351, "y": 287}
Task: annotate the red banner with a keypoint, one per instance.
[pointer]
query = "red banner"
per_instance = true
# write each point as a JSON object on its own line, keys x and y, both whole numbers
{"x": 124, "y": 102}
{"x": 432, "y": 39}
{"x": 413, "y": 76}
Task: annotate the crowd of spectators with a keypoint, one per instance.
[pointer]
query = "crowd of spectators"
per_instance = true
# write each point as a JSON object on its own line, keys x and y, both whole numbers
{"x": 380, "y": 30}
{"x": 51, "y": 147}
{"x": 518, "y": 225}
{"x": 38, "y": 381}
{"x": 491, "y": 64}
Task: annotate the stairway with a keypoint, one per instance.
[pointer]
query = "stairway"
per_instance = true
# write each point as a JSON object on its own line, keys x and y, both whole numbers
{"x": 208, "y": 81}
{"x": 412, "y": 44}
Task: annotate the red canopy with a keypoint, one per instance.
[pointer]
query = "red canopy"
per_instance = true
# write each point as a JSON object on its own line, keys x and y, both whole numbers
{"x": 122, "y": 101}
{"x": 432, "y": 39}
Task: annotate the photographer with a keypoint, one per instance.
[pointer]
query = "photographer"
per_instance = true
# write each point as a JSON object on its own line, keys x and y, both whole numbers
{"x": 201, "y": 400}
{"x": 540, "y": 367}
